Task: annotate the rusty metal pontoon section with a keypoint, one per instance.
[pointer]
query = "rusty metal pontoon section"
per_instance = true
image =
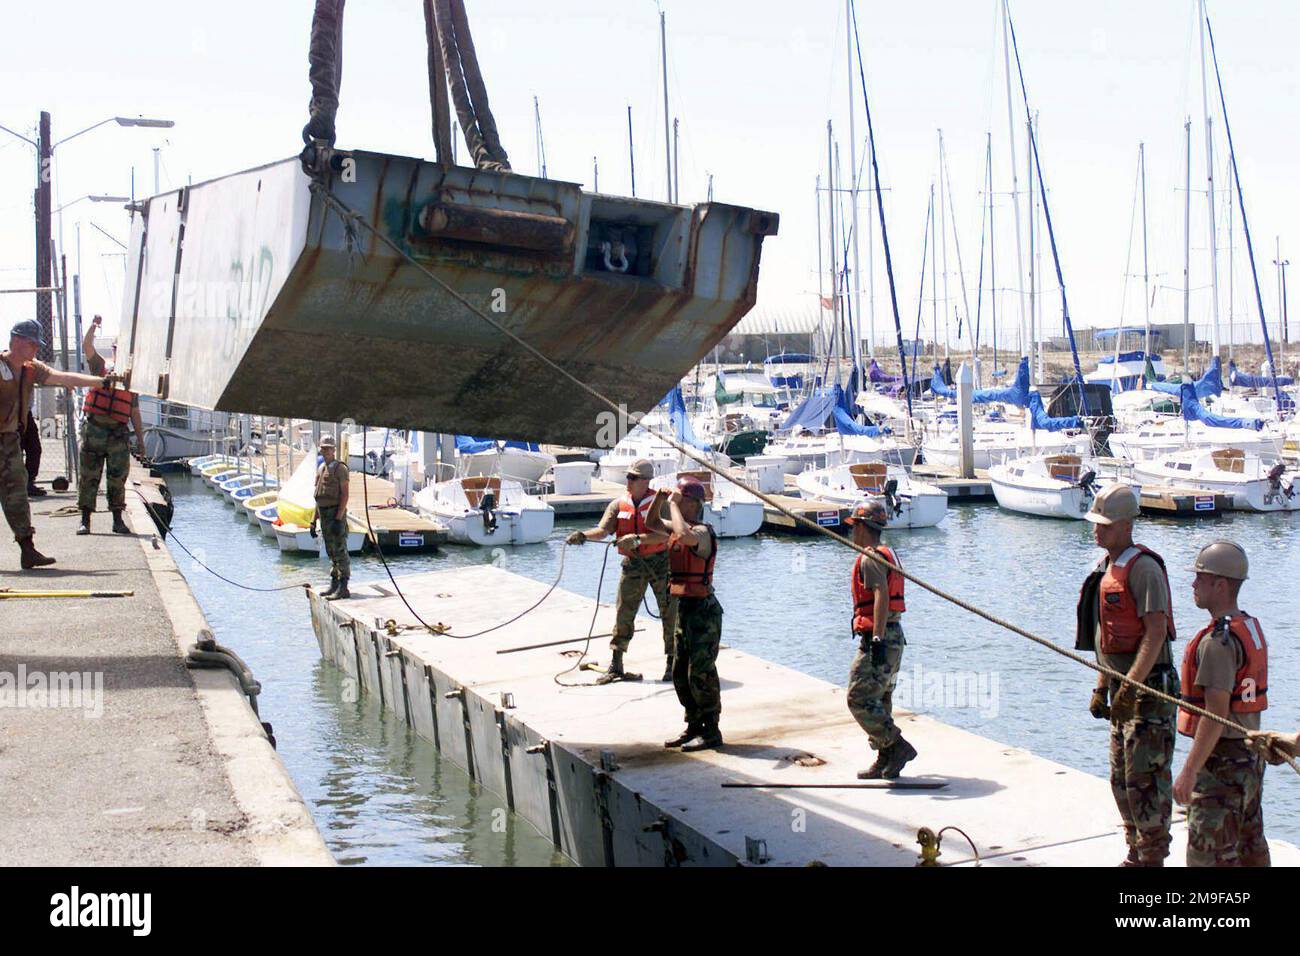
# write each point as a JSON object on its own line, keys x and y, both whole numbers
{"x": 246, "y": 294}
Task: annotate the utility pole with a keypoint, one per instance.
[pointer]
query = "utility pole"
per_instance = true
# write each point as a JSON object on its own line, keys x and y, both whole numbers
{"x": 44, "y": 237}
{"x": 157, "y": 187}
{"x": 595, "y": 175}
{"x": 668, "y": 156}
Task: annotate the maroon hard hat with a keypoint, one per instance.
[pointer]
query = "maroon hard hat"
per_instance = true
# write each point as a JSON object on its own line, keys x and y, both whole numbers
{"x": 871, "y": 513}
{"x": 691, "y": 488}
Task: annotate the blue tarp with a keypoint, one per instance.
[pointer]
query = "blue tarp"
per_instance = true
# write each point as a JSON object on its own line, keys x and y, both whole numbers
{"x": 1245, "y": 380}
{"x": 1040, "y": 420}
{"x": 682, "y": 430}
{"x": 469, "y": 445}
{"x": 939, "y": 388}
{"x": 876, "y": 375}
{"x": 1194, "y": 411}
{"x": 1211, "y": 383}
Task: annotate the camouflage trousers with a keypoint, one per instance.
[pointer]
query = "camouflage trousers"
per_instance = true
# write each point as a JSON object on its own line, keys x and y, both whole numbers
{"x": 103, "y": 446}
{"x": 334, "y": 535}
{"x": 13, "y": 486}
{"x": 639, "y": 573}
{"x": 871, "y": 685}
{"x": 1141, "y": 777}
{"x": 695, "y": 659}
{"x": 1225, "y": 819}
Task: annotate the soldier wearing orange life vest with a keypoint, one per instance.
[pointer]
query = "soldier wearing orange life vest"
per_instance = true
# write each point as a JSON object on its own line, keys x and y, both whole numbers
{"x": 1125, "y": 615}
{"x": 1225, "y": 671}
{"x": 645, "y": 564}
{"x": 692, "y": 550}
{"x": 878, "y": 607}
{"x": 105, "y": 440}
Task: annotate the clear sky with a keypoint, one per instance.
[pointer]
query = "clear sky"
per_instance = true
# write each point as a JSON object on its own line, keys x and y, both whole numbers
{"x": 753, "y": 84}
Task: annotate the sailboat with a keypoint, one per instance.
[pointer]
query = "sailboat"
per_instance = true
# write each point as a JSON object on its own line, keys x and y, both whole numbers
{"x": 909, "y": 502}
{"x": 1255, "y": 482}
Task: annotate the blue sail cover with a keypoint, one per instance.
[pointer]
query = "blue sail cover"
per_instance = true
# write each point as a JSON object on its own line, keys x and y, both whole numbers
{"x": 1040, "y": 420}
{"x": 828, "y": 404}
{"x": 1245, "y": 380}
{"x": 469, "y": 445}
{"x": 938, "y": 386}
{"x": 1211, "y": 383}
{"x": 877, "y": 376}
{"x": 1194, "y": 411}
{"x": 682, "y": 429}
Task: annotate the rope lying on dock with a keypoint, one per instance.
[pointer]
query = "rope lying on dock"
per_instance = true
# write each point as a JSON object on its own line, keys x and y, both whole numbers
{"x": 352, "y": 219}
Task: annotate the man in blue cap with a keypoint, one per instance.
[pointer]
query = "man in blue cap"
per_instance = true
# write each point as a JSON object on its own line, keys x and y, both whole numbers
{"x": 20, "y": 373}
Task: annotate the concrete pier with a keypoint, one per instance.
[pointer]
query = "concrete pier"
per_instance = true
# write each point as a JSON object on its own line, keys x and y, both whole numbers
{"x": 586, "y": 766}
{"x": 137, "y": 760}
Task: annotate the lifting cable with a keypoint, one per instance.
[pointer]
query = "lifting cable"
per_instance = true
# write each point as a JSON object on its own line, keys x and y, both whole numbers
{"x": 172, "y": 535}
{"x": 351, "y": 219}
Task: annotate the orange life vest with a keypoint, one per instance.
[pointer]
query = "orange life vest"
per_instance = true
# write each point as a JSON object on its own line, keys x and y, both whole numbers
{"x": 1250, "y": 695}
{"x": 689, "y": 575}
{"x": 116, "y": 403}
{"x": 631, "y": 520}
{"x": 1121, "y": 624}
{"x": 864, "y": 598}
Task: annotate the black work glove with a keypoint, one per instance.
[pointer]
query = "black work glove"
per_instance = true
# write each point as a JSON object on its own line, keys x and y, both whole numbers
{"x": 312, "y": 527}
{"x": 1098, "y": 706}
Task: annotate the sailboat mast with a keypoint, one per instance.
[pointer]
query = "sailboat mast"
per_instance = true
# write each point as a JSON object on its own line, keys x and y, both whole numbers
{"x": 880, "y": 211}
{"x": 1245, "y": 224}
{"x": 1209, "y": 177}
{"x": 1146, "y": 267}
{"x": 1187, "y": 249}
{"x": 631, "y": 153}
{"x": 853, "y": 173}
{"x": 934, "y": 278}
{"x": 1015, "y": 180}
{"x": 1232, "y": 290}
{"x": 834, "y": 259}
{"x": 943, "y": 232}
{"x": 1035, "y": 373}
{"x": 821, "y": 288}
{"x": 993, "y": 272}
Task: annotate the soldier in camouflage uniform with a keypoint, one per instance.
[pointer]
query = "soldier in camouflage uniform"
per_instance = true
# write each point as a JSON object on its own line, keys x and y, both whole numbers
{"x": 105, "y": 440}
{"x": 20, "y": 373}
{"x": 332, "y": 514}
{"x": 645, "y": 566}
{"x": 877, "y": 624}
{"x": 1224, "y": 671}
{"x": 1125, "y": 615}
{"x": 692, "y": 550}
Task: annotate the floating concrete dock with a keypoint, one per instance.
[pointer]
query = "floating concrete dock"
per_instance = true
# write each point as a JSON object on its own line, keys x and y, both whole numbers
{"x": 160, "y": 766}
{"x": 585, "y": 765}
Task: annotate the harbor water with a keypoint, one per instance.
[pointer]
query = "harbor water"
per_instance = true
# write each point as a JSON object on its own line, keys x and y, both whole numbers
{"x": 380, "y": 794}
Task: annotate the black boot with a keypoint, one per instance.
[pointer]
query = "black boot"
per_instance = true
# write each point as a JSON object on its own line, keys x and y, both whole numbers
{"x": 668, "y": 671}
{"x": 615, "y": 670}
{"x": 876, "y": 769}
{"x": 119, "y": 526}
{"x": 707, "y": 739}
{"x": 334, "y": 585}
{"x": 85, "y": 521}
{"x": 342, "y": 594}
{"x": 31, "y": 558}
{"x": 899, "y": 755}
{"x": 691, "y": 732}
{"x": 35, "y": 491}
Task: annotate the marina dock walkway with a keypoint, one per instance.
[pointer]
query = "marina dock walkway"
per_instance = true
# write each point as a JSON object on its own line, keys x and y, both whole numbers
{"x": 586, "y": 765}
{"x": 142, "y": 762}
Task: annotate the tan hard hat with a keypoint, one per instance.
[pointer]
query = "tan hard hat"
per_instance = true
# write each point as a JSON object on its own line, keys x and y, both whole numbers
{"x": 327, "y": 441}
{"x": 1114, "y": 503}
{"x": 641, "y": 468}
{"x": 1227, "y": 559}
{"x": 872, "y": 514}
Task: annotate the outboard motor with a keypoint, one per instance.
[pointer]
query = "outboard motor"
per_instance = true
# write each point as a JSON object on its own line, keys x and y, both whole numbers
{"x": 1275, "y": 481}
{"x": 1087, "y": 480}
{"x": 891, "y": 499}
{"x": 488, "y": 508}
